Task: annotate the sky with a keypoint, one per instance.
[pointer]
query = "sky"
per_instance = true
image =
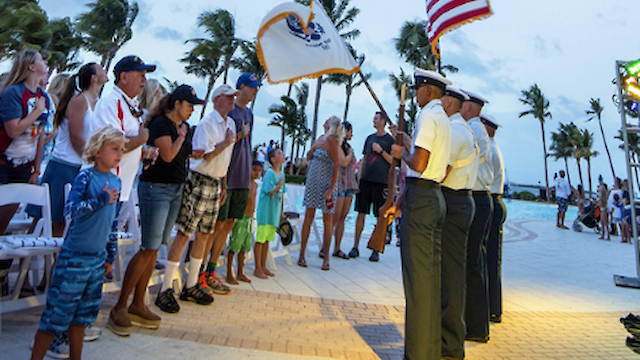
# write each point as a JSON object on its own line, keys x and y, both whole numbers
{"x": 568, "y": 48}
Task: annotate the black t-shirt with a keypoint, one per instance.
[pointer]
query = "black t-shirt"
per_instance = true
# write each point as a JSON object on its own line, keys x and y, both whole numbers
{"x": 174, "y": 172}
{"x": 376, "y": 168}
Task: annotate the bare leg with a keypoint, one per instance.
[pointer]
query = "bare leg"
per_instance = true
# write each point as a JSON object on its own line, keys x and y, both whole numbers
{"x": 76, "y": 335}
{"x": 6, "y": 213}
{"x": 309, "y": 214}
{"x": 220, "y": 239}
{"x": 327, "y": 219}
{"x": 265, "y": 250}
{"x": 143, "y": 282}
{"x": 258, "y": 272}
{"x": 344, "y": 204}
{"x": 241, "y": 275}
{"x": 57, "y": 228}
{"x": 359, "y": 228}
{"x": 135, "y": 271}
{"x": 41, "y": 344}
{"x": 230, "y": 278}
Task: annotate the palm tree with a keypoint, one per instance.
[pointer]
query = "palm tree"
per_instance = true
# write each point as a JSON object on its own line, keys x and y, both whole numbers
{"x": 634, "y": 150}
{"x": 585, "y": 150}
{"x": 341, "y": 19}
{"x": 413, "y": 45}
{"x": 411, "y": 112}
{"x": 23, "y": 24}
{"x": 563, "y": 145}
{"x": 286, "y": 115}
{"x": 212, "y": 57}
{"x": 65, "y": 44}
{"x": 106, "y": 27}
{"x": 202, "y": 61}
{"x": 596, "y": 110}
{"x": 249, "y": 63}
{"x": 349, "y": 81}
{"x": 538, "y": 108}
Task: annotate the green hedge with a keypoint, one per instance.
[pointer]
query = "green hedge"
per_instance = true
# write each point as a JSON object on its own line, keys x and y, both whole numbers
{"x": 295, "y": 179}
{"x": 525, "y": 195}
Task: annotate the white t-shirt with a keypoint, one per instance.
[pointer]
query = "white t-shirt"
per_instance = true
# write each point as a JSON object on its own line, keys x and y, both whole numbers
{"x": 485, "y": 172}
{"x": 432, "y": 133}
{"x": 212, "y": 130}
{"x": 563, "y": 190}
{"x": 463, "y": 155}
{"x": 261, "y": 154}
{"x": 113, "y": 110}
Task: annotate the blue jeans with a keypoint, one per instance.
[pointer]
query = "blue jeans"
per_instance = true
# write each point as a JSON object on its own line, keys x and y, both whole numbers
{"x": 159, "y": 207}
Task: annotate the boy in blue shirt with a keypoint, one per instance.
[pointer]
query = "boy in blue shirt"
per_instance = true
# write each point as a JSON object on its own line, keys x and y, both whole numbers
{"x": 75, "y": 294}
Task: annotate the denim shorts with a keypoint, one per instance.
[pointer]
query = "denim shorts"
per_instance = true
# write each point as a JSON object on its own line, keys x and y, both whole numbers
{"x": 348, "y": 193}
{"x": 76, "y": 290}
{"x": 159, "y": 207}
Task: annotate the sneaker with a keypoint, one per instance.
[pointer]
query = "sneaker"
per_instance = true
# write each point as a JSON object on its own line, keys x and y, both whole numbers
{"x": 91, "y": 332}
{"x": 59, "y": 348}
{"x": 144, "y": 318}
{"x": 202, "y": 280}
{"x": 196, "y": 294}
{"x": 354, "y": 253}
{"x": 216, "y": 285}
{"x": 166, "y": 301}
{"x": 119, "y": 322}
{"x": 375, "y": 256}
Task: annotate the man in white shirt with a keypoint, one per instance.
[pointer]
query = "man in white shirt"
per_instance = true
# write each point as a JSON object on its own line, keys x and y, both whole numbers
{"x": 215, "y": 136}
{"x": 494, "y": 241}
{"x": 456, "y": 188}
{"x": 477, "y": 304}
{"x": 423, "y": 212}
{"x": 563, "y": 191}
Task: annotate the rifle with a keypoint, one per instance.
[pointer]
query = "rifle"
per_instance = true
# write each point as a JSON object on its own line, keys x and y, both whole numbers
{"x": 378, "y": 237}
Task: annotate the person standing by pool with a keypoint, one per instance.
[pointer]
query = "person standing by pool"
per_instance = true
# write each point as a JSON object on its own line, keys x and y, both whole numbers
{"x": 456, "y": 189}
{"x": 373, "y": 176}
{"x": 320, "y": 188}
{"x": 563, "y": 191}
{"x": 494, "y": 242}
{"x": 603, "y": 196}
{"x": 477, "y": 305}
{"x": 423, "y": 213}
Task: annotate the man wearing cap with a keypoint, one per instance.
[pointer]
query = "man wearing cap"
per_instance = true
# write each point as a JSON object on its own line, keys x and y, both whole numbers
{"x": 238, "y": 180}
{"x": 477, "y": 304}
{"x": 423, "y": 211}
{"x": 494, "y": 242}
{"x": 120, "y": 110}
{"x": 563, "y": 191}
{"x": 456, "y": 188}
{"x": 215, "y": 137}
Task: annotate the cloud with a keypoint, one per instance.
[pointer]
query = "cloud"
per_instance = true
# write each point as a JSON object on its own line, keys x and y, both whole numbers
{"x": 166, "y": 33}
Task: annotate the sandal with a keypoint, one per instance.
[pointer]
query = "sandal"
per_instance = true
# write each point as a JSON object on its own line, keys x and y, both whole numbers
{"x": 302, "y": 263}
{"x": 321, "y": 254}
{"x": 340, "y": 254}
{"x": 325, "y": 267}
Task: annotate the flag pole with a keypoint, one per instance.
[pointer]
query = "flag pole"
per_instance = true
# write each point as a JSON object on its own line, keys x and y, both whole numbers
{"x": 375, "y": 98}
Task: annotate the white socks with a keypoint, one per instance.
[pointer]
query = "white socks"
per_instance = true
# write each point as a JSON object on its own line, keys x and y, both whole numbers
{"x": 169, "y": 273}
{"x": 194, "y": 271}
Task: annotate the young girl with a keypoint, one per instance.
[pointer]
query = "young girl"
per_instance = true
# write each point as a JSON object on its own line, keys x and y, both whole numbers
{"x": 269, "y": 211}
{"x": 24, "y": 109}
{"x": 74, "y": 297}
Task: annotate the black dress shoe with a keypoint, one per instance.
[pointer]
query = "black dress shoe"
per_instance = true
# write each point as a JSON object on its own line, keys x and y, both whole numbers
{"x": 480, "y": 339}
{"x": 496, "y": 319}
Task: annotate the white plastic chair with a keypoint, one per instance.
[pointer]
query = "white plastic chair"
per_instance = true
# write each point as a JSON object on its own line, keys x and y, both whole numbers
{"x": 33, "y": 195}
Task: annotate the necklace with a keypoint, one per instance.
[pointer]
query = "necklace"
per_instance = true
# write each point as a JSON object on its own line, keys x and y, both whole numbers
{"x": 135, "y": 112}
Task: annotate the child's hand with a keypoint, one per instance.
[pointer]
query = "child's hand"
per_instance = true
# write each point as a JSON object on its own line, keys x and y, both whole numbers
{"x": 113, "y": 193}
{"x": 281, "y": 181}
{"x": 41, "y": 105}
{"x": 107, "y": 268}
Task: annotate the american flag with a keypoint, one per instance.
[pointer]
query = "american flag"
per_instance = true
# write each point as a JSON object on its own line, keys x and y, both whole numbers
{"x": 446, "y": 15}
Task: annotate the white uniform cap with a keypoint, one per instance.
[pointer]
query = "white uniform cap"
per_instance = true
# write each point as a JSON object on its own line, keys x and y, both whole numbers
{"x": 456, "y": 93}
{"x": 489, "y": 120}
{"x": 224, "y": 90}
{"x": 476, "y": 98}
{"x": 429, "y": 77}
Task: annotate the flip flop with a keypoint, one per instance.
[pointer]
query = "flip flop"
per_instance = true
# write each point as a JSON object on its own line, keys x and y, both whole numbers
{"x": 321, "y": 254}
{"x": 325, "y": 267}
{"x": 302, "y": 263}
{"x": 340, "y": 254}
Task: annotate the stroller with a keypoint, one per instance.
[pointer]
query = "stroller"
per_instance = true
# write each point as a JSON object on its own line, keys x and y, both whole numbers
{"x": 590, "y": 218}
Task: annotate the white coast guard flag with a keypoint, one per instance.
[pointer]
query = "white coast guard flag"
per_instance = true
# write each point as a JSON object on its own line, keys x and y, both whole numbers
{"x": 289, "y": 53}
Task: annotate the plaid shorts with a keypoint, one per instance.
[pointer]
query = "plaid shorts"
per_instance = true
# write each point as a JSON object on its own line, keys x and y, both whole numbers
{"x": 76, "y": 290}
{"x": 200, "y": 204}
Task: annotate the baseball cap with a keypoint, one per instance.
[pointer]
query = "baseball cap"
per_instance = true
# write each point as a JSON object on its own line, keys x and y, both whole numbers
{"x": 132, "y": 63}
{"x": 185, "y": 92}
{"x": 224, "y": 90}
{"x": 248, "y": 79}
